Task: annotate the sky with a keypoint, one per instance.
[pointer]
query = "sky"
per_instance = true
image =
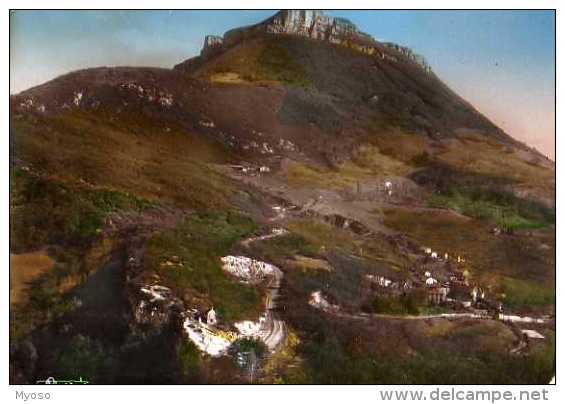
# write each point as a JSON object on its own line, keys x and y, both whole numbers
{"x": 503, "y": 62}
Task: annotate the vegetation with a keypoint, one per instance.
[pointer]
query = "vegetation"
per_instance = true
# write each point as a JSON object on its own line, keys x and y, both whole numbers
{"x": 319, "y": 256}
{"x": 249, "y": 346}
{"x": 24, "y": 268}
{"x": 45, "y": 211}
{"x": 485, "y": 156}
{"x": 199, "y": 242}
{"x": 513, "y": 264}
{"x": 83, "y": 357}
{"x": 520, "y": 293}
{"x": 398, "y": 144}
{"x": 135, "y": 156}
{"x": 367, "y": 162}
{"x": 267, "y": 61}
{"x": 189, "y": 359}
{"x": 286, "y": 366}
{"x": 277, "y": 63}
{"x": 405, "y": 304}
{"x": 331, "y": 359}
{"x": 502, "y": 208}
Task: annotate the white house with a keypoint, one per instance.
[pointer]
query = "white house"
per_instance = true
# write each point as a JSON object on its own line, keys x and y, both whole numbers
{"x": 211, "y": 317}
{"x": 431, "y": 282}
{"x": 388, "y": 188}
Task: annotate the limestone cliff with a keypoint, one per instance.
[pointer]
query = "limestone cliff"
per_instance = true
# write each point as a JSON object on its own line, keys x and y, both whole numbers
{"x": 315, "y": 25}
{"x": 418, "y": 59}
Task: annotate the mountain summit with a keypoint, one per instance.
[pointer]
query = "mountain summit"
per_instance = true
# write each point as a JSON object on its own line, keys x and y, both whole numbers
{"x": 302, "y": 77}
{"x": 312, "y": 24}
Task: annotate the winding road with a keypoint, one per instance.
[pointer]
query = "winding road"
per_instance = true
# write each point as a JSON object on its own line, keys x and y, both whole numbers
{"x": 507, "y": 318}
{"x": 273, "y": 330}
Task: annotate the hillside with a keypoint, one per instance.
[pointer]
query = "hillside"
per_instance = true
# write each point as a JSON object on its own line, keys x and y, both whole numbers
{"x": 299, "y": 142}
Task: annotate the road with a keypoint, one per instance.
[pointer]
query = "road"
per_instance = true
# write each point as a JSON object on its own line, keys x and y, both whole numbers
{"x": 273, "y": 330}
{"x": 504, "y": 318}
{"x": 250, "y": 240}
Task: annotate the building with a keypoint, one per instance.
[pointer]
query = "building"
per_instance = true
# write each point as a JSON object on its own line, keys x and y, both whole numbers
{"x": 211, "y": 318}
{"x": 431, "y": 282}
{"x": 437, "y": 295}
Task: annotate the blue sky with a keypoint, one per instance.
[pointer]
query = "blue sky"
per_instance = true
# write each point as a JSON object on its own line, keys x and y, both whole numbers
{"x": 503, "y": 62}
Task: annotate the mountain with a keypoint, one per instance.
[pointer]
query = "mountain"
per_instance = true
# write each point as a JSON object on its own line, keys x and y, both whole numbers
{"x": 300, "y": 142}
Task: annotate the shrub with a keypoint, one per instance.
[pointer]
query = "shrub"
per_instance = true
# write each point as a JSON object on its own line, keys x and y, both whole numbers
{"x": 189, "y": 358}
{"x": 502, "y": 208}
{"x": 199, "y": 242}
{"x": 407, "y": 303}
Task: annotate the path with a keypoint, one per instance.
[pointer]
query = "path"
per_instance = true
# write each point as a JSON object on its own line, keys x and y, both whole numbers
{"x": 273, "y": 330}
{"x": 505, "y": 318}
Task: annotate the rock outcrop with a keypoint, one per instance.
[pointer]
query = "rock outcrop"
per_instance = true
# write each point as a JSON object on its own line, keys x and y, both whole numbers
{"x": 311, "y": 24}
{"x": 408, "y": 53}
{"x": 212, "y": 44}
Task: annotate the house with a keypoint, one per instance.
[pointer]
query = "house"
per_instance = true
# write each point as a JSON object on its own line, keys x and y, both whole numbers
{"x": 457, "y": 277}
{"x": 477, "y": 294}
{"x": 431, "y": 282}
{"x": 437, "y": 295}
{"x": 379, "y": 280}
{"x": 483, "y": 313}
{"x": 211, "y": 318}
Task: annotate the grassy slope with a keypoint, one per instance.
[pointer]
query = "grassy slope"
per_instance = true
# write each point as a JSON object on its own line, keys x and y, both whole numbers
{"x": 510, "y": 265}
{"x": 199, "y": 243}
{"x": 259, "y": 61}
{"x": 125, "y": 152}
{"x": 477, "y": 154}
{"x": 84, "y": 166}
{"x": 65, "y": 219}
{"x": 47, "y": 211}
{"x": 501, "y": 208}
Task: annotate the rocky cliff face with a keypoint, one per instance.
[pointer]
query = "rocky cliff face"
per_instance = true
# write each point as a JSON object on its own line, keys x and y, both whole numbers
{"x": 315, "y": 25}
{"x": 212, "y": 43}
{"x": 407, "y": 52}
